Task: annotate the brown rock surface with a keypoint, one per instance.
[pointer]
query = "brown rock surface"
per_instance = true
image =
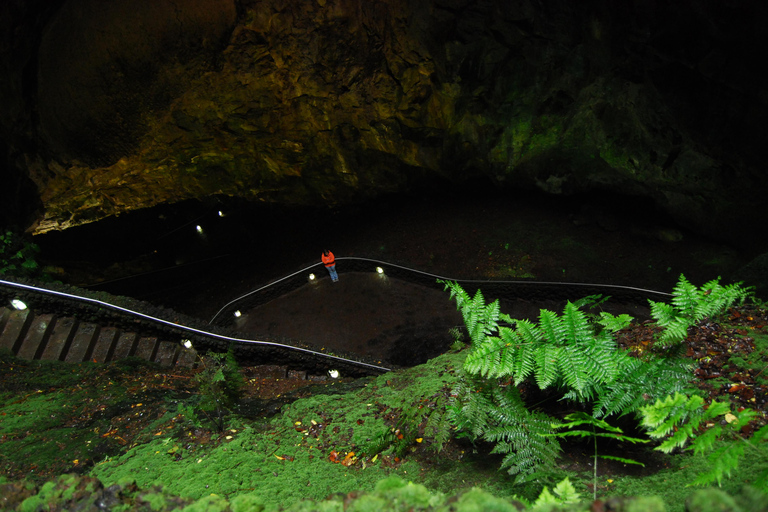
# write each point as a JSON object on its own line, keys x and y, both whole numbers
{"x": 338, "y": 101}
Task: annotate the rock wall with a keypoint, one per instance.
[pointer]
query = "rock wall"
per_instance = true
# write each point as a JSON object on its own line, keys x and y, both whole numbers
{"x": 336, "y": 101}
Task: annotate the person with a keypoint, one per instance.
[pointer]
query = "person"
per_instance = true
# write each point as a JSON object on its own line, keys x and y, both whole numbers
{"x": 330, "y": 263}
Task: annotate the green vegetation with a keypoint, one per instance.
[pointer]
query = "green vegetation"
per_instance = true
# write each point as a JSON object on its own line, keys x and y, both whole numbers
{"x": 18, "y": 256}
{"x": 520, "y": 395}
{"x": 571, "y": 355}
{"x": 691, "y": 305}
{"x": 580, "y": 419}
{"x": 678, "y": 419}
{"x": 219, "y": 383}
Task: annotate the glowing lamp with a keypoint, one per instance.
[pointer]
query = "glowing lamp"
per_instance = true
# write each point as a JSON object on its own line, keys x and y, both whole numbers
{"x": 187, "y": 344}
{"x": 379, "y": 270}
{"x": 312, "y": 277}
{"x": 199, "y": 229}
{"x": 334, "y": 374}
{"x": 18, "y": 304}
{"x": 238, "y": 314}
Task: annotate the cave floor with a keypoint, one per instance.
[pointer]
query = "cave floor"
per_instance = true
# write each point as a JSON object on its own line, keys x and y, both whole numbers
{"x": 462, "y": 236}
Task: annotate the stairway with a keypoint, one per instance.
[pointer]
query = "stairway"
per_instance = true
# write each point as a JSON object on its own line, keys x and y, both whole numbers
{"x": 48, "y": 337}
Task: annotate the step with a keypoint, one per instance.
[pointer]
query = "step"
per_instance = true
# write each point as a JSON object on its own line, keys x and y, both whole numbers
{"x": 49, "y": 338}
{"x": 60, "y": 339}
{"x": 15, "y": 329}
{"x": 5, "y": 313}
{"x": 167, "y": 352}
{"x": 147, "y": 348}
{"x": 37, "y": 336}
{"x": 82, "y": 343}
{"x": 126, "y": 345}
{"x": 105, "y": 344}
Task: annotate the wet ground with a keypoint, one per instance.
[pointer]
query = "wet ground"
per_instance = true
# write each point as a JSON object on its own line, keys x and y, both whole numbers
{"x": 477, "y": 235}
{"x": 387, "y": 320}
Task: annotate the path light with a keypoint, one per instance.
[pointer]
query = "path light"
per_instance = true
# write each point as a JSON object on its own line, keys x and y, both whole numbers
{"x": 311, "y": 277}
{"x": 221, "y": 213}
{"x": 187, "y": 344}
{"x": 379, "y": 270}
{"x": 238, "y": 314}
{"x": 18, "y": 304}
{"x": 334, "y": 374}
{"x": 199, "y": 229}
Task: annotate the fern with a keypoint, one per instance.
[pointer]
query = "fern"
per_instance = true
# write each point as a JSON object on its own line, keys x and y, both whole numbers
{"x": 691, "y": 305}
{"x": 565, "y": 494}
{"x": 575, "y": 354}
{"x": 641, "y": 382}
{"x": 678, "y": 419}
{"x": 580, "y": 419}
{"x": 499, "y": 415}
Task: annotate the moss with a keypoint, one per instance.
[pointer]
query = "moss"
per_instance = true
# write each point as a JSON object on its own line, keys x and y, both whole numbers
{"x": 210, "y": 503}
{"x": 477, "y": 500}
{"x": 246, "y": 503}
{"x": 286, "y": 460}
{"x": 646, "y": 504}
{"x": 711, "y": 500}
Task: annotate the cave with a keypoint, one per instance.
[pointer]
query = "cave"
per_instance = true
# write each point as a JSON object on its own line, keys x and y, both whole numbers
{"x": 183, "y": 156}
{"x": 171, "y": 171}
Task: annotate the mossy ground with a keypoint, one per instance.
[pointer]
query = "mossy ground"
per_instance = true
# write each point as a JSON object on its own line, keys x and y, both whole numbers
{"x": 132, "y": 422}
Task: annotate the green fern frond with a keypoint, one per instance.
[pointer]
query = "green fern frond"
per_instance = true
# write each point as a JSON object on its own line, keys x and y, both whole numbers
{"x": 665, "y": 415}
{"x": 721, "y": 462}
{"x": 484, "y": 357}
{"x": 676, "y": 330}
{"x": 685, "y": 297}
{"x": 662, "y": 312}
{"x": 706, "y": 441}
{"x": 690, "y": 305}
{"x": 518, "y": 357}
{"x": 572, "y": 364}
{"x": 546, "y": 365}
{"x": 640, "y": 382}
{"x": 438, "y": 427}
{"x": 613, "y": 323}
{"x": 551, "y": 326}
{"x": 577, "y": 328}
{"x": 761, "y": 435}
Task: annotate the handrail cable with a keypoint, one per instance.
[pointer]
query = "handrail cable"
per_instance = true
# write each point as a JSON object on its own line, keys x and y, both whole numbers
{"x": 190, "y": 329}
{"x": 428, "y": 274}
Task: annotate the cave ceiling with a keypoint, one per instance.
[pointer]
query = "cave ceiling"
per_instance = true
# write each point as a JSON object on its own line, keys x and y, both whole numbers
{"x": 115, "y": 106}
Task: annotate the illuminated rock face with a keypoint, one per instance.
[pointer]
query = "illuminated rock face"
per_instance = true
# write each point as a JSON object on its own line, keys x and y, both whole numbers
{"x": 329, "y": 102}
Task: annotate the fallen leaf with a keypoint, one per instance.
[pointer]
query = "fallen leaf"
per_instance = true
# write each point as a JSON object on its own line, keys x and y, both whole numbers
{"x": 349, "y": 459}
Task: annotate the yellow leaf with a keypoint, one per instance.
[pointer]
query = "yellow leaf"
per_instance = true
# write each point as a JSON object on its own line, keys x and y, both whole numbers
{"x": 279, "y": 457}
{"x": 730, "y": 418}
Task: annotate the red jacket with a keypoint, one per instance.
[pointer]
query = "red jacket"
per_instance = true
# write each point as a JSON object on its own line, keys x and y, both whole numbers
{"x": 329, "y": 260}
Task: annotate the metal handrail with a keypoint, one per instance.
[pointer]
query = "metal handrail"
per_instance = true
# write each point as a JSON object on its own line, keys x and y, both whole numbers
{"x": 189, "y": 330}
{"x": 407, "y": 271}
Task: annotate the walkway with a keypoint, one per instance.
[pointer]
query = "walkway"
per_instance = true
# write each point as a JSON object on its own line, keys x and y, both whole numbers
{"x": 386, "y": 319}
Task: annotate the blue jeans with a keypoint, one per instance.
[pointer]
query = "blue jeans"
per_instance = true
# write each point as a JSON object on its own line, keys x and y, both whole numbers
{"x": 332, "y": 271}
